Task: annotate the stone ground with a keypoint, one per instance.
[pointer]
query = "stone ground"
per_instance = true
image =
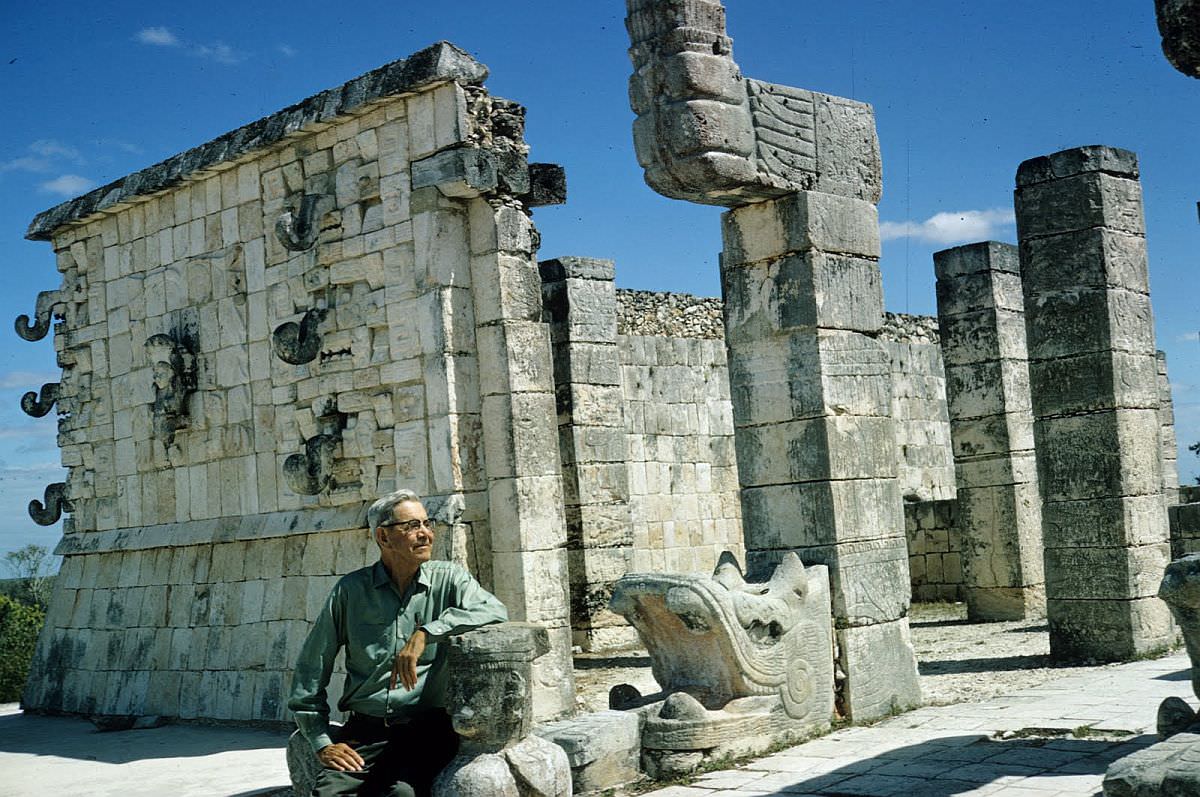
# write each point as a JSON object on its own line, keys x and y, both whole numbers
{"x": 1025, "y": 730}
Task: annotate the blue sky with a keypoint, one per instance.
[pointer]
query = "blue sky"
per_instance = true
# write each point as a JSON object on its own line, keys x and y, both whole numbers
{"x": 963, "y": 92}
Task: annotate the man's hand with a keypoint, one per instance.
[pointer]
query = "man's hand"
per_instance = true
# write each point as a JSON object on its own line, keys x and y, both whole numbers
{"x": 341, "y": 757}
{"x": 404, "y": 668}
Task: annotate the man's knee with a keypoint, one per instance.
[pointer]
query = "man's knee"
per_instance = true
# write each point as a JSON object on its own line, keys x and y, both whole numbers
{"x": 401, "y": 790}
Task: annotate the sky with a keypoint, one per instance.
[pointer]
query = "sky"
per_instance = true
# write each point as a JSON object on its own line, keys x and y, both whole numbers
{"x": 963, "y": 92}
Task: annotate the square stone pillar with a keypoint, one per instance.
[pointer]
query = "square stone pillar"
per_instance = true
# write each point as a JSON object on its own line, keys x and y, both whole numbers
{"x": 1095, "y": 386}
{"x": 581, "y": 306}
{"x": 982, "y": 316}
{"x": 816, "y": 447}
{"x": 520, "y": 442}
{"x": 1170, "y": 446}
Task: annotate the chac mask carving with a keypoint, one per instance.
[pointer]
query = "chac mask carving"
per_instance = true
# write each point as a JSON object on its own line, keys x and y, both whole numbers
{"x": 174, "y": 371}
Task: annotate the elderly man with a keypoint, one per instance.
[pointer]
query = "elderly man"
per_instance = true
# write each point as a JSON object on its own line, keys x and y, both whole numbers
{"x": 390, "y": 617}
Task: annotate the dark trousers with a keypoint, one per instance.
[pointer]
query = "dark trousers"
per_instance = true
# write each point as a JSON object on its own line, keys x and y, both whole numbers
{"x": 400, "y": 761}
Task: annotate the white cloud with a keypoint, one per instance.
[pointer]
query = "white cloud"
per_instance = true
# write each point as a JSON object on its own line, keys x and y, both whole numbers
{"x": 158, "y": 36}
{"x": 48, "y": 148}
{"x": 1188, "y": 337}
{"x": 68, "y": 185}
{"x": 220, "y": 52}
{"x": 29, "y": 380}
{"x": 288, "y": 50}
{"x": 960, "y": 226}
{"x": 44, "y": 153}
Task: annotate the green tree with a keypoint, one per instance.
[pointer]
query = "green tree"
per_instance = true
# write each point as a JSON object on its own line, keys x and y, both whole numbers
{"x": 19, "y": 627}
{"x": 31, "y": 566}
{"x": 1195, "y": 449}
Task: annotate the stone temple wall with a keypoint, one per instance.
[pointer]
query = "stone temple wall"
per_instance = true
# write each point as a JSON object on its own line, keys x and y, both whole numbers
{"x": 683, "y": 488}
{"x": 260, "y": 336}
{"x": 919, "y": 407}
{"x": 935, "y": 550}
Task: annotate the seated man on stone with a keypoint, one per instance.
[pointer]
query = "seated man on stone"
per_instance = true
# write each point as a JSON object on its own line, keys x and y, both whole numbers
{"x": 390, "y": 617}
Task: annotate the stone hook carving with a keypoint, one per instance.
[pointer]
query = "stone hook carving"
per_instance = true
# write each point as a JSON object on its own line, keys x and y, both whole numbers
{"x": 299, "y": 343}
{"x": 707, "y": 134}
{"x": 47, "y": 302}
{"x": 48, "y": 511}
{"x": 739, "y": 662}
{"x": 297, "y": 229}
{"x": 38, "y": 405}
{"x": 174, "y": 371}
{"x": 311, "y": 472}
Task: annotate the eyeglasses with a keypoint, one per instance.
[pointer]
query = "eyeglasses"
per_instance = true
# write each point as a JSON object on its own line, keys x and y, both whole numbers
{"x": 411, "y": 526}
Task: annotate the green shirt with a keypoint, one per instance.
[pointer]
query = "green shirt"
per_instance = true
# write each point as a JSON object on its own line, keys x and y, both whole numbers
{"x": 367, "y": 615}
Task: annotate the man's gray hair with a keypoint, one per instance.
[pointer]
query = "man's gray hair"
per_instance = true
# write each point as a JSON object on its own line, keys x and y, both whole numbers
{"x": 381, "y": 511}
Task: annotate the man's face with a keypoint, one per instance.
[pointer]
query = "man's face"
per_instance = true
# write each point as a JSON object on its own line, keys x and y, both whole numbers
{"x": 409, "y": 546}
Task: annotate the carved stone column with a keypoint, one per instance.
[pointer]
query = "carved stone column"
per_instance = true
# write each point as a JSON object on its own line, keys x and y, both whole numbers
{"x": 982, "y": 317}
{"x": 1094, "y": 380}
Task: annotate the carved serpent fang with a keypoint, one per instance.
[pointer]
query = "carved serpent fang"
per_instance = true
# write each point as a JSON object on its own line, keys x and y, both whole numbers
{"x": 299, "y": 343}
{"x": 47, "y": 301}
{"x": 48, "y": 511}
{"x": 38, "y": 405}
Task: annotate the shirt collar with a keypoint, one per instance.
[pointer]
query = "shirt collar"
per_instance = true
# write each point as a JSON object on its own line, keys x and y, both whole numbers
{"x": 380, "y": 577}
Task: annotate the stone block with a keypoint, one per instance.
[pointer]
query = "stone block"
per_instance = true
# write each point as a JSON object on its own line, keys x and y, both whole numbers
{"x": 1170, "y": 768}
{"x": 806, "y": 376}
{"x": 1108, "y": 630}
{"x": 581, "y": 309}
{"x": 1000, "y": 290}
{"x": 1078, "y": 160}
{"x": 979, "y": 389}
{"x": 461, "y": 173}
{"x": 525, "y": 514}
{"x": 880, "y": 669}
{"x": 802, "y": 290}
{"x": 1104, "y": 522}
{"x": 1100, "y": 455}
{"x": 985, "y": 259}
{"x": 505, "y": 287}
{"x": 519, "y": 435}
{"x": 1082, "y": 321}
{"x": 1107, "y": 380}
{"x": 533, "y": 584}
{"x": 514, "y": 356}
{"x": 1001, "y": 531}
{"x": 983, "y": 335}
{"x": 1018, "y": 467}
{"x": 849, "y": 162}
{"x": 603, "y": 748}
{"x": 1105, "y": 573}
{"x": 1092, "y": 258}
{"x": 821, "y": 513}
{"x": 991, "y": 604}
{"x": 798, "y": 222}
{"x": 832, "y": 447}
{"x": 992, "y": 435}
{"x": 1080, "y": 202}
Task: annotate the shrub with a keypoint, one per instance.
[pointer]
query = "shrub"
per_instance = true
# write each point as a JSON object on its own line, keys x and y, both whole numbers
{"x": 19, "y": 627}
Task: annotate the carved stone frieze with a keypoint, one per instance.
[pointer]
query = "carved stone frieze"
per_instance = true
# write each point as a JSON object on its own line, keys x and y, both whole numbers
{"x": 299, "y": 343}
{"x": 47, "y": 511}
{"x": 47, "y": 304}
{"x": 173, "y": 368}
{"x": 300, "y": 225}
{"x": 39, "y": 404}
{"x": 313, "y": 471}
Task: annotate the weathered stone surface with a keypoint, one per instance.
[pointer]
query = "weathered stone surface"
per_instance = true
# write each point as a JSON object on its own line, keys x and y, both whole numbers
{"x": 1127, "y": 628}
{"x": 490, "y": 702}
{"x": 1166, "y": 769}
{"x": 1179, "y": 23}
{"x": 1181, "y": 590}
{"x": 603, "y": 748}
{"x": 880, "y": 670}
{"x": 728, "y": 689}
{"x": 706, "y": 134}
{"x": 1185, "y": 529}
{"x": 302, "y": 763}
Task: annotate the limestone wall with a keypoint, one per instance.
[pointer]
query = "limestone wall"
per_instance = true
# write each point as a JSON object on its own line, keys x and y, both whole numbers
{"x": 935, "y": 562}
{"x": 919, "y": 407}
{"x": 221, "y": 460}
{"x": 683, "y": 487}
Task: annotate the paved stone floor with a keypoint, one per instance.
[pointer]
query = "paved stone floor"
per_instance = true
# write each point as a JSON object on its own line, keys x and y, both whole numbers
{"x": 1051, "y": 740}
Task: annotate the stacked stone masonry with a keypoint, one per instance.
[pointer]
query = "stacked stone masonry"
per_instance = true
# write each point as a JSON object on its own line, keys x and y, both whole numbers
{"x": 1095, "y": 386}
{"x": 935, "y": 551}
{"x": 982, "y": 319}
{"x": 353, "y": 209}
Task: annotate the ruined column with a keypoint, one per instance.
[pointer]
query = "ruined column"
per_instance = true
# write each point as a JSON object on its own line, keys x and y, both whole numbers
{"x": 1094, "y": 380}
{"x": 982, "y": 317}
{"x": 581, "y": 307}
{"x": 816, "y": 448}
{"x": 811, "y": 384}
{"x": 1170, "y": 446}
